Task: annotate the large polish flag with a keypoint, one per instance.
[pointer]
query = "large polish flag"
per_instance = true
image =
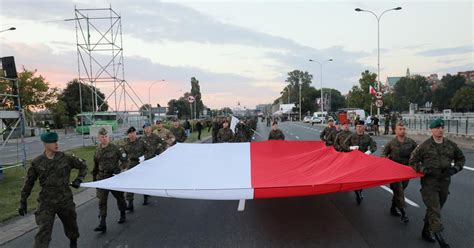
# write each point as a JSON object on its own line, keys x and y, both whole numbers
{"x": 268, "y": 169}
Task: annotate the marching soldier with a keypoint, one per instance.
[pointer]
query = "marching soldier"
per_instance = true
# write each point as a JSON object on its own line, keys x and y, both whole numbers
{"x": 364, "y": 143}
{"x": 53, "y": 170}
{"x": 178, "y": 132}
{"x": 332, "y": 136}
{"x": 399, "y": 149}
{"x": 225, "y": 135}
{"x": 134, "y": 148}
{"x": 386, "y": 124}
{"x": 439, "y": 159}
{"x": 165, "y": 134}
{"x": 241, "y": 133}
{"x": 393, "y": 121}
{"x": 327, "y": 131}
{"x": 106, "y": 164}
{"x": 275, "y": 133}
{"x": 341, "y": 137}
{"x": 215, "y": 129}
{"x": 155, "y": 145}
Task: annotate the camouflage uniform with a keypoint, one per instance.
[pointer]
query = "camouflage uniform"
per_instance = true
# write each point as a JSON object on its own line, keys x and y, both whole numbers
{"x": 364, "y": 141}
{"x": 55, "y": 196}
{"x": 179, "y": 133}
{"x": 167, "y": 136}
{"x": 325, "y": 134}
{"x": 387, "y": 124}
{"x": 339, "y": 141}
{"x": 215, "y": 130}
{"x": 155, "y": 145}
{"x": 276, "y": 135}
{"x": 241, "y": 132}
{"x": 393, "y": 121}
{"x": 400, "y": 153}
{"x": 434, "y": 160}
{"x": 332, "y": 137}
{"x": 225, "y": 135}
{"x": 134, "y": 150}
{"x": 106, "y": 164}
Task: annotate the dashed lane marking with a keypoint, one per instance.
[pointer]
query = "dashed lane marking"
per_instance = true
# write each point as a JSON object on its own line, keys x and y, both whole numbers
{"x": 297, "y": 137}
{"x": 406, "y": 199}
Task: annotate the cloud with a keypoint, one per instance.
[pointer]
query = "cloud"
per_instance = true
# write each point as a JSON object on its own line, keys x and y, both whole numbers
{"x": 447, "y": 51}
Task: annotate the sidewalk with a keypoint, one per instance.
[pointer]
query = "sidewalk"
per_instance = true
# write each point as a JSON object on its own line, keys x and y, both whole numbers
{"x": 19, "y": 226}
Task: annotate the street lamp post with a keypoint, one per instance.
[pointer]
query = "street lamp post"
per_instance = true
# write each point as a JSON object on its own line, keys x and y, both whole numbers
{"x": 321, "y": 79}
{"x": 300, "y": 102}
{"x": 149, "y": 98}
{"x": 8, "y": 29}
{"x": 378, "y": 17}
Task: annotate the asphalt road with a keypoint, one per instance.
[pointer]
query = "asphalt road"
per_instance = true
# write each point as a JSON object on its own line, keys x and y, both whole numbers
{"x": 332, "y": 220}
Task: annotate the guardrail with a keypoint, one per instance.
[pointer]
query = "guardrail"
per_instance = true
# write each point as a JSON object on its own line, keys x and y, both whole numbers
{"x": 459, "y": 126}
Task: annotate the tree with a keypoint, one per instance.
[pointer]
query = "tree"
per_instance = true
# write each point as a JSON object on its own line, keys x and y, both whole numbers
{"x": 449, "y": 85}
{"x": 70, "y": 97}
{"x": 60, "y": 116}
{"x": 411, "y": 90}
{"x": 35, "y": 92}
{"x": 196, "y": 92}
{"x": 463, "y": 99}
{"x": 338, "y": 101}
{"x": 180, "y": 107}
{"x": 294, "y": 79}
{"x": 358, "y": 96}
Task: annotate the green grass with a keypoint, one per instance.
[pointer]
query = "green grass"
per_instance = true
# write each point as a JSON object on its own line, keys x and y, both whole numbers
{"x": 10, "y": 186}
{"x": 193, "y": 137}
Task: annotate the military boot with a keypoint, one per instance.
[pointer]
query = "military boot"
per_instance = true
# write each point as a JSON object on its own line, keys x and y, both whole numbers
{"x": 145, "y": 200}
{"x": 73, "y": 243}
{"x": 442, "y": 243}
{"x": 427, "y": 234}
{"x": 404, "y": 216}
{"x": 129, "y": 206}
{"x": 102, "y": 227}
{"x": 122, "y": 217}
{"x": 393, "y": 210}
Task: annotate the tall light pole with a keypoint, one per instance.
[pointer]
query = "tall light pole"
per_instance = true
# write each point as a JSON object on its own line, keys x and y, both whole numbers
{"x": 300, "y": 102}
{"x": 149, "y": 98}
{"x": 378, "y": 17}
{"x": 8, "y": 29}
{"x": 321, "y": 79}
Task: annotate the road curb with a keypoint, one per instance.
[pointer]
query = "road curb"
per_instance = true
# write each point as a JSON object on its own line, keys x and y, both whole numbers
{"x": 20, "y": 226}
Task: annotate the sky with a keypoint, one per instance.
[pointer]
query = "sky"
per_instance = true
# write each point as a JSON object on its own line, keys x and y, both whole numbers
{"x": 241, "y": 51}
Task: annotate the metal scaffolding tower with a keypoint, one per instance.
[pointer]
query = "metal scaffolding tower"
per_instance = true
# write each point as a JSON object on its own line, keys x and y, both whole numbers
{"x": 100, "y": 59}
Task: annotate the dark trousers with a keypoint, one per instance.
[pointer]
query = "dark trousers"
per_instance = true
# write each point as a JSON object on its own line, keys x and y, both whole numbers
{"x": 434, "y": 192}
{"x": 103, "y": 195}
{"x": 44, "y": 217}
{"x": 398, "y": 198}
{"x": 199, "y": 134}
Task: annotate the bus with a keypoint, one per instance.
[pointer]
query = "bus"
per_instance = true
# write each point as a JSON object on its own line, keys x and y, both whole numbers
{"x": 96, "y": 118}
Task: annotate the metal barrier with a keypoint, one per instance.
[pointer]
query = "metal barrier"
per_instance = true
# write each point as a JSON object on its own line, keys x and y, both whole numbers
{"x": 461, "y": 126}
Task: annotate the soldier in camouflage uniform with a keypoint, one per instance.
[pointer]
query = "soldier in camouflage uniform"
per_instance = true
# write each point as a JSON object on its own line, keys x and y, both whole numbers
{"x": 362, "y": 142}
{"x": 155, "y": 146}
{"x": 106, "y": 164}
{"x": 178, "y": 132}
{"x": 225, "y": 135}
{"x": 53, "y": 170}
{"x": 134, "y": 148}
{"x": 164, "y": 134}
{"x": 438, "y": 158}
{"x": 332, "y": 135}
{"x": 386, "y": 123}
{"x": 215, "y": 129}
{"x": 275, "y": 133}
{"x": 241, "y": 132}
{"x": 327, "y": 131}
{"x": 341, "y": 137}
{"x": 399, "y": 149}
{"x": 394, "y": 121}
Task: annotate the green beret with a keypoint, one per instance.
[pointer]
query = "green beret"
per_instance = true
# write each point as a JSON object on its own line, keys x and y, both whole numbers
{"x": 102, "y": 131}
{"x": 49, "y": 137}
{"x": 438, "y": 122}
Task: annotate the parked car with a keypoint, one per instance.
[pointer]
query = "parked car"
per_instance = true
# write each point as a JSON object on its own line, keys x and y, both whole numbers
{"x": 306, "y": 119}
{"x": 316, "y": 120}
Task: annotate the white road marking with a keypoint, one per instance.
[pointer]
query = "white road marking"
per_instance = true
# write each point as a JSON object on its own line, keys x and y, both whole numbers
{"x": 406, "y": 199}
{"x": 469, "y": 168}
{"x": 241, "y": 206}
{"x": 297, "y": 137}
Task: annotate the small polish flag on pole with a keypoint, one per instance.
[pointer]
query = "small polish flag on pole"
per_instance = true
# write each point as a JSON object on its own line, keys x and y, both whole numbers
{"x": 372, "y": 91}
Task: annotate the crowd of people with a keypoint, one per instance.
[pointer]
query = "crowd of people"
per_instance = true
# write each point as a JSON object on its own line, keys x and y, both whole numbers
{"x": 438, "y": 158}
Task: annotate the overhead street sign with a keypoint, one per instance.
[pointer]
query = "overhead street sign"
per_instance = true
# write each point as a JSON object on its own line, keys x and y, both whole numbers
{"x": 190, "y": 99}
{"x": 379, "y": 95}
